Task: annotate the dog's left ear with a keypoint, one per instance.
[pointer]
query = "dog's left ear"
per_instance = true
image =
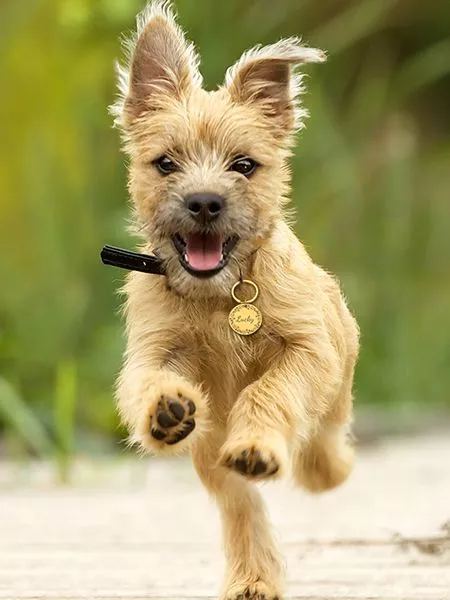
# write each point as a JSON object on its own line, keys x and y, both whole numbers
{"x": 265, "y": 76}
{"x": 162, "y": 63}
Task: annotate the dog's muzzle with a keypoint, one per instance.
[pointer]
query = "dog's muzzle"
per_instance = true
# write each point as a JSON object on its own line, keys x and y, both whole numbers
{"x": 204, "y": 254}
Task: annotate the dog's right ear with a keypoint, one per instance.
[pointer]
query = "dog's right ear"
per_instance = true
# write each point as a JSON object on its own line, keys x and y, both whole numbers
{"x": 160, "y": 62}
{"x": 266, "y": 77}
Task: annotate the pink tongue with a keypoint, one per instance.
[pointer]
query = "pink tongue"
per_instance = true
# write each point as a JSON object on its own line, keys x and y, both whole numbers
{"x": 204, "y": 251}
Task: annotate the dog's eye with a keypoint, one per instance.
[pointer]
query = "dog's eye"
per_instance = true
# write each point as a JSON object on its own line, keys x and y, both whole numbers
{"x": 165, "y": 165}
{"x": 245, "y": 166}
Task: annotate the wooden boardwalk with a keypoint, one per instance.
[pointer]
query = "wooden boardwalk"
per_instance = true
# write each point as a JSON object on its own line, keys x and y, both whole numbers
{"x": 146, "y": 529}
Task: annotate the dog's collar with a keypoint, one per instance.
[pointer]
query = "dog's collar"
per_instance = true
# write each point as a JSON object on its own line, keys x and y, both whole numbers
{"x": 244, "y": 319}
{"x": 133, "y": 261}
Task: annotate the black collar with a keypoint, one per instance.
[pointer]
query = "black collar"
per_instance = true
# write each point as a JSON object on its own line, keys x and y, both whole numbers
{"x": 133, "y": 261}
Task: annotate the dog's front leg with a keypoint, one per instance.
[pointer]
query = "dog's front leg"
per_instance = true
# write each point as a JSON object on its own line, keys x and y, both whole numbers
{"x": 160, "y": 407}
{"x": 287, "y": 402}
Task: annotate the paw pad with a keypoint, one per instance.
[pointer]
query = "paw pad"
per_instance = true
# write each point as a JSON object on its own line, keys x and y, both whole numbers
{"x": 173, "y": 419}
{"x": 251, "y": 463}
{"x": 254, "y": 595}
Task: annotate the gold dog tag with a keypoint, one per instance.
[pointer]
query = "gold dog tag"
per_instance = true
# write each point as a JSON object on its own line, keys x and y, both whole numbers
{"x": 245, "y": 318}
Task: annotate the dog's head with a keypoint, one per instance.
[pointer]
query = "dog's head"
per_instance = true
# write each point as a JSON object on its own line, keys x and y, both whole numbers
{"x": 208, "y": 170}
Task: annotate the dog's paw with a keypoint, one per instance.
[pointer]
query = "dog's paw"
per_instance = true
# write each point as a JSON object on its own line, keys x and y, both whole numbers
{"x": 253, "y": 463}
{"x": 173, "y": 419}
{"x": 255, "y": 591}
{"x": 173, "y": 415}
{"x": 253, "y": 460}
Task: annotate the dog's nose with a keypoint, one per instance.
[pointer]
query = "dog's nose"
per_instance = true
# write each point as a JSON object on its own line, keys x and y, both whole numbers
{"x": 204, "y": 207}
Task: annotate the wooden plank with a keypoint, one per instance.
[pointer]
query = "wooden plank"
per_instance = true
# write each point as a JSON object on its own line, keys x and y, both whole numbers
{"x": 147, "y": 529}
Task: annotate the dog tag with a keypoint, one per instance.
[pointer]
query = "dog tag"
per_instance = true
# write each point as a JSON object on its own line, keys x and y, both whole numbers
{"x": 245, "y": 318}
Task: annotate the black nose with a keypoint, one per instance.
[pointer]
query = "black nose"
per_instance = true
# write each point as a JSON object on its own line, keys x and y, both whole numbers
{"x": 204, "y": 207}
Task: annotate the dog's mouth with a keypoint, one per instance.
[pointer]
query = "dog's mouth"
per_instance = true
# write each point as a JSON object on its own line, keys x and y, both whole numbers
{"x": 204, "y": 254}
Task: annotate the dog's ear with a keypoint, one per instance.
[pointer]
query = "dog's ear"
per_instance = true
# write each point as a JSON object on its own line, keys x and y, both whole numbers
{"x": 266, "y": 77}
{"x": 161, "y": 63}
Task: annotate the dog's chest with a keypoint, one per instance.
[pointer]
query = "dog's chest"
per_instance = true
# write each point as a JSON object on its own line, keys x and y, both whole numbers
{"x": 223, "y": 353}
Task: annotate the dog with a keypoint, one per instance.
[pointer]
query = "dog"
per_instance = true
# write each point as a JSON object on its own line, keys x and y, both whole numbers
{"x": 244, "y": 352}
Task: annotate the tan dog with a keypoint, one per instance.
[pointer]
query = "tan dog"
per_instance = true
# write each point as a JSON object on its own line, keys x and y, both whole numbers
{"x": 209, "y": 178}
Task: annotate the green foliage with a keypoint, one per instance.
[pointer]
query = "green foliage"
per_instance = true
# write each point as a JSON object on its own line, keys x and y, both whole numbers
{"x": 22, "y": 421}
{"x": 370, "y": 187}
{"x": 64, "y": 410}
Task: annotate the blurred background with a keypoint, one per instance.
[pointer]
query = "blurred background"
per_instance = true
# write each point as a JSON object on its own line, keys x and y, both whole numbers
{"x": 371, "y": 191}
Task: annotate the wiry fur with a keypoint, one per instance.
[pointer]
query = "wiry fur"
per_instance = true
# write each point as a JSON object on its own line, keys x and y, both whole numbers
{"x": 280, "y": 399}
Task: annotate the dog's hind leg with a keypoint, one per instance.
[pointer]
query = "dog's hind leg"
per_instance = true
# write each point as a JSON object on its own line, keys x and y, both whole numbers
{"x": 327, "y": 459}
{"x": 254, "y": 568}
